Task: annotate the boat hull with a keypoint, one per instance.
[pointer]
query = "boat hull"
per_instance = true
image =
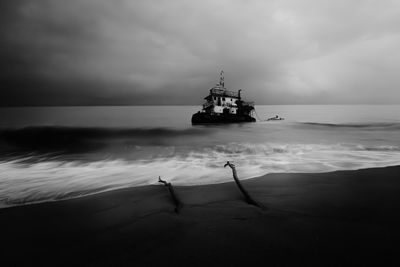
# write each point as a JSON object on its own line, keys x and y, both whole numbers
{"x": 205, "y": 118}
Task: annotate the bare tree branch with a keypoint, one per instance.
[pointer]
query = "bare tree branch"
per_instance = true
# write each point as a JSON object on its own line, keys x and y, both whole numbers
{"x": 247, "y": 196}
{"x": 177, "y": 202}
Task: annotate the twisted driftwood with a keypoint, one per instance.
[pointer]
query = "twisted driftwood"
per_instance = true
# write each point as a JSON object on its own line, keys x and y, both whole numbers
{"x": 246, "y": 195}
{"x": 177, "y": 202}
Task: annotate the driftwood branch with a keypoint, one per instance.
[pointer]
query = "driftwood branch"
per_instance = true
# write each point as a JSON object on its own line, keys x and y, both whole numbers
{"x": 177, "y": 202}
{"x": 246, "y": 195}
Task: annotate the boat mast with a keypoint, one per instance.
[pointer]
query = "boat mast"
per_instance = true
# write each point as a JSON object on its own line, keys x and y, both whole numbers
{"x": 221, "y": 79}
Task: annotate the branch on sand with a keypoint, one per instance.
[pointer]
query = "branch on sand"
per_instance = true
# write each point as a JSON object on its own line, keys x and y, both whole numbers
{"x": 246, "y": 195}
{"x": 177, "y": 202}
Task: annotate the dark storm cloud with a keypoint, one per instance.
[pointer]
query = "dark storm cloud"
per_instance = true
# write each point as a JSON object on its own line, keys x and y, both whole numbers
{"x": 40, "y": 47}
{"x": 96, "y": 52}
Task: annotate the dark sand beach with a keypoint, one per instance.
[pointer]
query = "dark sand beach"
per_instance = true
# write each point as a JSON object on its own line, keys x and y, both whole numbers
{"x": 323, "y": 219}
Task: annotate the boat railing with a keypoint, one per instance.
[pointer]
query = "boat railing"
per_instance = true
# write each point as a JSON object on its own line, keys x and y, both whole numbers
{"x": 207, "y": 104}
{"x": 223, "y": 92}
{"x": 229, "y": 105}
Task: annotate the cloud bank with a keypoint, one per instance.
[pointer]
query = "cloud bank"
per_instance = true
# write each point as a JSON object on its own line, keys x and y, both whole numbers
{"x": 121, "y": 52}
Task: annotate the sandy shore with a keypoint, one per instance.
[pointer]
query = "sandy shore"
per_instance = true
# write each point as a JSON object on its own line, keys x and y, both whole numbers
{"x": 331, "y": 219}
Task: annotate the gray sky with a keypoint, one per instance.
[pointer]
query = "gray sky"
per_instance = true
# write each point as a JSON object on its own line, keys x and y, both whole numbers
{"x": 95, "y": 52}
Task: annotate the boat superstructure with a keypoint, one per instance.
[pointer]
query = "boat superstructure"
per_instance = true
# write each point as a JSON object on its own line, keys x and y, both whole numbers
{"x": 224, "y": 106}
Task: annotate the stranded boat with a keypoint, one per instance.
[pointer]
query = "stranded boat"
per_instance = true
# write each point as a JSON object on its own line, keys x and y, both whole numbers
{"x": 223, "y": 106}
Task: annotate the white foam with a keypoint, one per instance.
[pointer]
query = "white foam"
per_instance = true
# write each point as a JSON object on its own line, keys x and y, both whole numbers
{"x": 22, "y": 183}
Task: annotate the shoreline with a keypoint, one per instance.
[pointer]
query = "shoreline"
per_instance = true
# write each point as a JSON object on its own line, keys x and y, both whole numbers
{"x": 334, "y": 218}
{"x": 10, "y": 206}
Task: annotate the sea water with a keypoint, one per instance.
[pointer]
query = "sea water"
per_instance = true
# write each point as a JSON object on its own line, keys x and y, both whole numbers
{"x": 52, "y": 153}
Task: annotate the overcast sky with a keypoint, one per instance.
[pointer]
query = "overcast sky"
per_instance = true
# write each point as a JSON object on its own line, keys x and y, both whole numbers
{"x": 116, "y": 52}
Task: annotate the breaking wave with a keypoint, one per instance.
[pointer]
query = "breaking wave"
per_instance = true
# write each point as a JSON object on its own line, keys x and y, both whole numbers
{"x": 24, "y": 180}
{"x": 47, "y": 139}
{"x": 369, "y": 126}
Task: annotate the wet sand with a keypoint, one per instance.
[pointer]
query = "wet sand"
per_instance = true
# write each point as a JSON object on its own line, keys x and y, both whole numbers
{"x": 349, "y": 218}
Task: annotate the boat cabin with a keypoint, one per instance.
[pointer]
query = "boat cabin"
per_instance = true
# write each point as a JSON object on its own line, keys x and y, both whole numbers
{"x": 220, "y": 100}
{"x": 223, "y": 106}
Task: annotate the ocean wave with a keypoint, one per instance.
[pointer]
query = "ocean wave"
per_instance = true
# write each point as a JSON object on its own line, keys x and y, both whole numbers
{"x": 377, "y": 125}
{"x": 274, "y": 149}
{"x": 47, "y": 139}
{"x": 60, "y": 178}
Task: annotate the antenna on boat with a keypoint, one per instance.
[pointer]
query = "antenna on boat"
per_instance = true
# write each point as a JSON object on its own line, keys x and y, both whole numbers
{"x": 221, "y": 79}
